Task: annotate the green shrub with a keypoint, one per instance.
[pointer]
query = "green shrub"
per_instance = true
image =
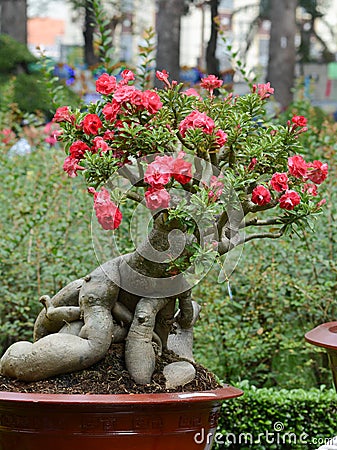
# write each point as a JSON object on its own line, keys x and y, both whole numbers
{"x": 21, "y": 75}
{"x": 14, "y": 56}
{"x": 277, "y": 419}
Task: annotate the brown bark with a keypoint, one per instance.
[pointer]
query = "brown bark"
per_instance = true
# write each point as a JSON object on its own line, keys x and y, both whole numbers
{"x": 13, "y": 19}
{"x": 168, "y": 36}
{"x": 282, "y": 52}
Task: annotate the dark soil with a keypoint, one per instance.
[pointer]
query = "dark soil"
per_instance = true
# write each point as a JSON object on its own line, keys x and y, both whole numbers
{"x": 110, "y": 376}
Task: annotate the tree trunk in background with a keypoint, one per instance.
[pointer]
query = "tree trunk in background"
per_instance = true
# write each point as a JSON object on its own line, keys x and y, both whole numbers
{"x": 13, "y": 19}
{"x": 90, "y": 58}
{"x": 282, "y": 51}
{"x": 168, "y": 36}
{"x": 212, "y": 62}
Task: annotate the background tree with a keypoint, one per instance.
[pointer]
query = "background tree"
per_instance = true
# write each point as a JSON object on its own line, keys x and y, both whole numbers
{"x": 13, "y": 19}
{"x": 282, "y": 50}
{"x": 212, "y": 62}
{"x": 168, "y": 36}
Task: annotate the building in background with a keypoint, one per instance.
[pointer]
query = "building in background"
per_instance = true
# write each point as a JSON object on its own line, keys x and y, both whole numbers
{"x": 59, "y": 32}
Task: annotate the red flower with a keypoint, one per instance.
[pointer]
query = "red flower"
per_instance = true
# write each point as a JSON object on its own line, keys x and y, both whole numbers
{"x": 62, "y": 114}
{"x": 221, "y": 138}
{"x": 297, "y": 166}
{"x": 151, "y": 101}
{"x": 299, "y": 121}
{"x": 182, "y": 170}
{"x": 106, "y": 84}
{"x": 261, "y": 195}
{"x": 210, "y": 83}
{"x": 252, "y": 164}
{"x": 107, "y": 213}
{"x": 71, "y": 166}
{"x": 317, "y": 172}
{"x": 194, "y": 120}
{"x": 159, "y": 172}
{"x": 279, "y": 182}
{"x": 110, "y": 110}
{"x": 77, "y": 149}
{"x": 289, "y": 200}
{"x": 157, "y": 198}
{"x": 91, "y": 124}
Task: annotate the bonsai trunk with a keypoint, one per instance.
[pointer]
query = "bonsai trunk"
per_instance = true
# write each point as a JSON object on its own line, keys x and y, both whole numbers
{"x": 131, "y": 298}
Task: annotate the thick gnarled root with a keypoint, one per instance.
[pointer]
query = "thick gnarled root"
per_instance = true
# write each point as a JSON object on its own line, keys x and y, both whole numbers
{"x": 60, "y": 352}
{"x": 139, "y": 352}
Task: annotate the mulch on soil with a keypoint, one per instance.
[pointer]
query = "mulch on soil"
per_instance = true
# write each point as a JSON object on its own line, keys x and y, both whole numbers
{"x": 110, "y": 376}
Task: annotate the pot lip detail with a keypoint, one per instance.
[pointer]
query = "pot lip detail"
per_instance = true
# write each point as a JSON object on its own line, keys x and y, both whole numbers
{"x": 223, "y": 393}
{"x": 324, "y": 335}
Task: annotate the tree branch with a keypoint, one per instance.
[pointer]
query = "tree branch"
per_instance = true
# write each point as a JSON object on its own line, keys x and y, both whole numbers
{"x": 261, "y": 223}
{"x": 260, "y": 236}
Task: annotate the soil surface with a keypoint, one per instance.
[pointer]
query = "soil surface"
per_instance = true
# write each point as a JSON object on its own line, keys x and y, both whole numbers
{"x": 110, "y": 376}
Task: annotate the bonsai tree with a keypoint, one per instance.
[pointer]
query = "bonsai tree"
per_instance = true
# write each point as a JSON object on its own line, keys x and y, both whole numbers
{"x": 213, "y": 171}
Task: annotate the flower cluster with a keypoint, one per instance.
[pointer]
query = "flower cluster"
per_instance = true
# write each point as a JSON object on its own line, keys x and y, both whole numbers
{"x": 164, "y": 134}
{"x": 299, "y": 172}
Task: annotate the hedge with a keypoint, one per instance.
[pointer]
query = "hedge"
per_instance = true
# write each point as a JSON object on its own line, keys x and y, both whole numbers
{"x": 269, "y": 418}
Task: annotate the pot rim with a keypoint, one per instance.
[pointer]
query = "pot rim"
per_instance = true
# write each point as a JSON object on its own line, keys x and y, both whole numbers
{"x": 324, "y": 335}
{"x": 223, "y": 393}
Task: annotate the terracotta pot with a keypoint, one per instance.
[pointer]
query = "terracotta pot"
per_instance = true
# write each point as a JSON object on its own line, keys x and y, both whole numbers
{"x": 169, "y": 421}
{"x": 325, "y": 335}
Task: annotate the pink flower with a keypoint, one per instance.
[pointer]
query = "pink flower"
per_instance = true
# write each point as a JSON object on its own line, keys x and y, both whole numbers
{"x": 289, "y": 200}
{"x": 162, "y": 75}
{"x": 221, "y": 138}
{"x": 151, "y": 101}
{"x": 192, "y": 92}
{"x": 182, "y": 170}
{"x": 77, "y": 149}
{"x": 124, "y": 93}
{"x": 299, "y": 121}
{"x": 107, "y": 213}
{"x": 52, "y": 133}
{"x": 279, "y": 182}
{"x": 110, "y": 110}
{"x": 310, "y": 188}
{"x": 320, "y": 203}
{"x": 261, "y": 195}
{"x": 297, "y": 166}
{"x": 263, "y": 90}
{"x": 100, "y": 144}
{"x": 127, "y": 76}
{"x": 317, "y": 172}
{"x": 216, "y": 188}
{"x": 71, "y": 166}
{"x": 159, "y": 172}
{"x": 157, "y": 198}
{"x": 106, "y": 84}
{"x": 7, "y": 135}
{"x": 194, "y": 120}
{"x": 91, "y": 124}
{"x": 62, "y": 114}
{"x": 210, "y": 83}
